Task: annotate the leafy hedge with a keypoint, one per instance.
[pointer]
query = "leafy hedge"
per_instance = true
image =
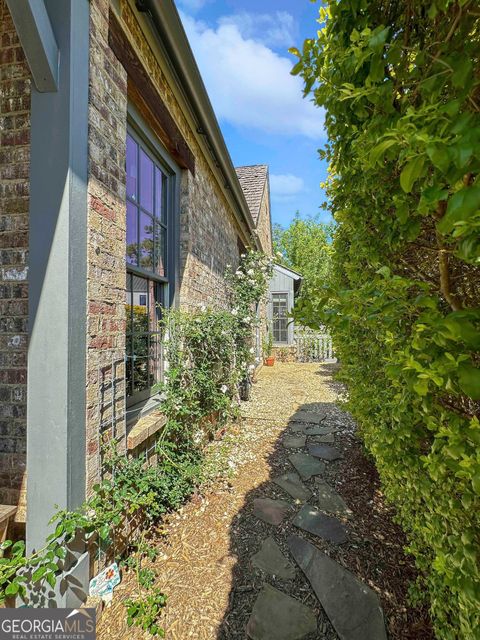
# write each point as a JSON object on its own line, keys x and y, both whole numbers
{"x": 400, "y": 84}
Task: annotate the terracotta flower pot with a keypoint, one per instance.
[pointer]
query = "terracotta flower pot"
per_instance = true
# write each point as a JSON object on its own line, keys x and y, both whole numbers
{"x": 270, "y": 361}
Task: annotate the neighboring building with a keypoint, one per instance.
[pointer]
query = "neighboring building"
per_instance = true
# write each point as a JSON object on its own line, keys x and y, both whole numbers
{"x": 117, "y": 192}
{"x": 284, "y": 287}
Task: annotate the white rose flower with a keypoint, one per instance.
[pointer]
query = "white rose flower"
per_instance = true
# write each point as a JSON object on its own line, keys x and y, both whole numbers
{"x": 224, "y": 388}
{"x": 234, "y": 312}
{"x": 252, "y": 350}
{"x": 251, "y": 272}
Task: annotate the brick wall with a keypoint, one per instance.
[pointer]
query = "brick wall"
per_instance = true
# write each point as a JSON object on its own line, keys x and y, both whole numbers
{"x": 209, "y": 232}
{"x": 106, "y": 275}
{"x": 14, "y": 204}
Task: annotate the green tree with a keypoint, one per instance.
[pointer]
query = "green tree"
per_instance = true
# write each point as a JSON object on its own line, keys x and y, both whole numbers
{"x": 400, "y": 85}
{"x": 305, "y": 246}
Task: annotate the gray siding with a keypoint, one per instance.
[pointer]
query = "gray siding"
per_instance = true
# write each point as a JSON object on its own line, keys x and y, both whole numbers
{"x": 282, "y": 283}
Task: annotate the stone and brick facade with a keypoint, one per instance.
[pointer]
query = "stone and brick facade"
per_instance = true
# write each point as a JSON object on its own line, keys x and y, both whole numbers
{"x": 210, "y": 236}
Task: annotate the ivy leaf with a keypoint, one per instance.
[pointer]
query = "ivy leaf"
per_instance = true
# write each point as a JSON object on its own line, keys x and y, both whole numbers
{"x": 462, "y": 72}
{"x": 379, "y": 151}
{"x": 439, "y": 154}
{"x": 469, "y": 380}
{"x": 297, "y": 69}
{"x": 476, "y": 483}
{"x": 461, "y": 206}
{"x": 38, "y": 574}
{"x": 12, "y": 589}
{"x": 411, "y": 172}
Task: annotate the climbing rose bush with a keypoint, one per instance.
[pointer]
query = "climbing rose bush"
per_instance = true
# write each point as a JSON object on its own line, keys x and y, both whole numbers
{"x": 400, "y": 85}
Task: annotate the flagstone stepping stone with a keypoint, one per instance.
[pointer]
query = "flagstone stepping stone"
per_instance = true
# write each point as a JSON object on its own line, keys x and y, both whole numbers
{"x": 314, "y": 521}
{"x": 329, "y": 500}
{"x": 296, "y": 426}
{"x": 292, "y": 484}
{"x": 325, "y": 452}
{"x": 329, "y": 438}
{"x": 307, "y": 466}
{"x": 318, "y": 431}
{"x": 353, "y": 608}
{"x": 294, "y": 442}
{"x": 270, "y": 511}
{"x": 308, "y": 417}
{"x": 271, "y": 560}
{"x": 276, "y": 616}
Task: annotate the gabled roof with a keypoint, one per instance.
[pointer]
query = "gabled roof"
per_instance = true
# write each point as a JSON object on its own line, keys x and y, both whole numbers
{"x": 288, "y": 272}
{"x": 253, "y": 179}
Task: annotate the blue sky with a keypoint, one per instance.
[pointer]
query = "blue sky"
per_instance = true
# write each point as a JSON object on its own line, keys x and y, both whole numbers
{"x": 241, "y": 47}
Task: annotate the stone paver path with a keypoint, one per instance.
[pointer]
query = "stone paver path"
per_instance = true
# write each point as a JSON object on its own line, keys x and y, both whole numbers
{"x": 277, "y": 616}
{"x": 306, "y": 465}
{"x": 353, "y": 608}
{"x": 281, "y": 549}
{"x": 271, "y": 560}
{"x": 292, "y": 484}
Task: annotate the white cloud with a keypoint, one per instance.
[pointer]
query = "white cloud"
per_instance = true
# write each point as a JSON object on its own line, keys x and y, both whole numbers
{"x": 272, "y": 29}
{"x": 284, "y": 187}
{"x": 249, "y": 84}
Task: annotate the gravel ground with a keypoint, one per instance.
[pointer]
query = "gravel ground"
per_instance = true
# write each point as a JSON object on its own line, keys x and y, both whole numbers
{"x": 205, "y": 548}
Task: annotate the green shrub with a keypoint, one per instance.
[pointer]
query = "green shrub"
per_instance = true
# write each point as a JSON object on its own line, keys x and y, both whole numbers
{"x": 400, "y": 84}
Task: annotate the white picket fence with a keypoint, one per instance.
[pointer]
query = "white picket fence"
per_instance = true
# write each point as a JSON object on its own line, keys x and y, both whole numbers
{"x": 313, "y": 346}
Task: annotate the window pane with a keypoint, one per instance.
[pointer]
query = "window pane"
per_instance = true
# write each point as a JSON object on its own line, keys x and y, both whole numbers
{"x": 132, "y": 234}
{"x": 140, "y": 363}
{"x": 153, "y": 310}
{"x": 146, "y": 242}
{"x": 146, "y": 182}
{"x": 129, "y": 304}
{"x": 280, "y": 317}
{"x": 160, "y": 195}
{"x": 155, "y": 359}
{"x": 160, "y": 251}
{"x": 132, "y": 168}
{"x": 129, "y": 366}
{"x": 140, "y": 311}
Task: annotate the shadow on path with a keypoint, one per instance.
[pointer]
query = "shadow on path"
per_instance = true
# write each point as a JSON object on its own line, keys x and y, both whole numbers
{"x": 373, "y": 551}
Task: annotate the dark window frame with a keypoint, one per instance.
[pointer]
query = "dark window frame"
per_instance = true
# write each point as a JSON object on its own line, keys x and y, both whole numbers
{"x": 166, "y": 285}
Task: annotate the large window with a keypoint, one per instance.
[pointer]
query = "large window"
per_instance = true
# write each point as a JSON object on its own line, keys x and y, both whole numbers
{"x": 148, "y": 256}
{"x": 280, "y": 317}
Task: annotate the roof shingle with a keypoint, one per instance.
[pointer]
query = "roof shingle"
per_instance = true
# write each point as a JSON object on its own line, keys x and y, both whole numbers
{"x": 252, "y": 180}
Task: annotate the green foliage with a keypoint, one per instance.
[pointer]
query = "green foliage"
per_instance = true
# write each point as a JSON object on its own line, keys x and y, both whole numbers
{"x": 305, "y": 246}
{"x": 267, "y": 345}
{"x": 400, "y": 84}
{"x": 145, "y": 612}
{"x": 209, "y": 353}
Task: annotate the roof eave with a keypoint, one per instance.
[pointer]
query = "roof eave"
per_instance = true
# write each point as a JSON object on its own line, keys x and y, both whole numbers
{"x": 168, "y": 25}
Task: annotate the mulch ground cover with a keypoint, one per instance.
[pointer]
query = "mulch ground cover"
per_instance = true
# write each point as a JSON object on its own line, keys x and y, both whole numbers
{"x": 205, "y": 549}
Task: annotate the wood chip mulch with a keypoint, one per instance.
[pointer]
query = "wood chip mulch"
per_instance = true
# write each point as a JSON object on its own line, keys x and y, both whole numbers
{"x": 205, "y": 548}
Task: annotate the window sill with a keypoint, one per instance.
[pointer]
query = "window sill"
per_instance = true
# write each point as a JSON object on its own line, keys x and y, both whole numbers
{"x": 145, "y": 428}
{"x": 144, "y": 420}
